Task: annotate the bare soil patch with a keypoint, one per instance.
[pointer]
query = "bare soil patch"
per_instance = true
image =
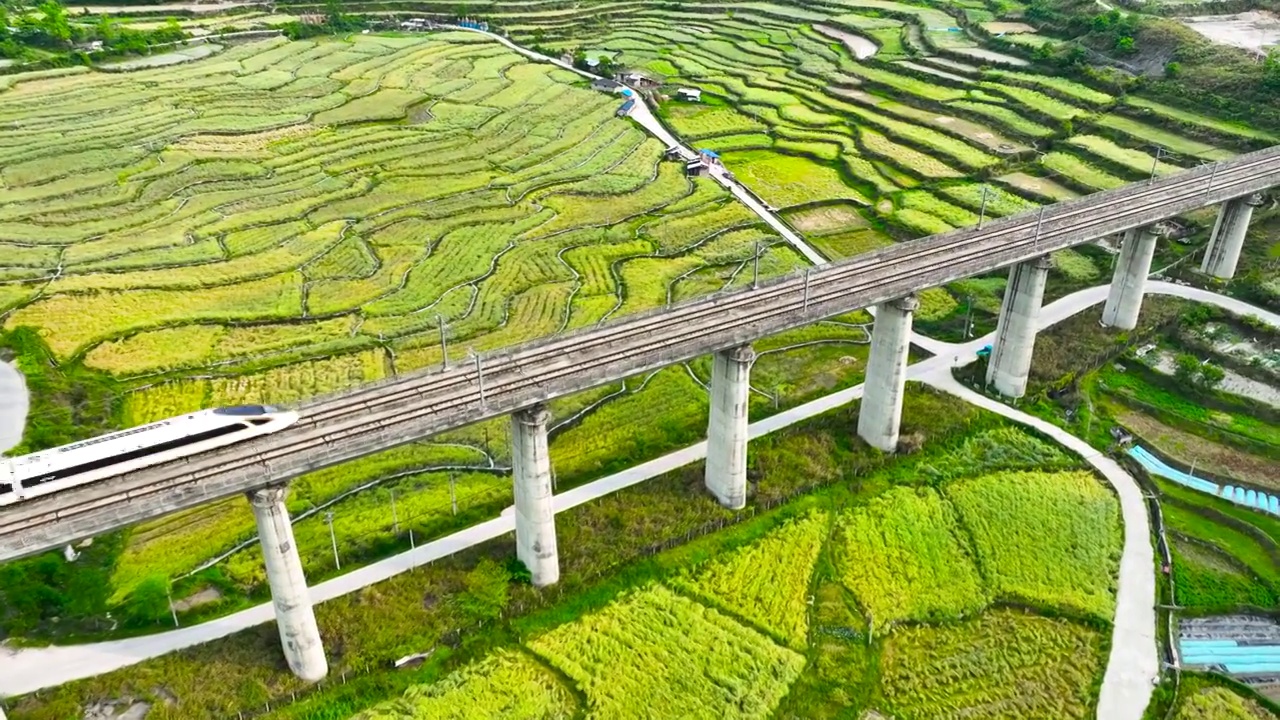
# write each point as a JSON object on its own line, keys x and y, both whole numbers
{"x": 1186, "y": 447}
{"x": 826, "y": 218}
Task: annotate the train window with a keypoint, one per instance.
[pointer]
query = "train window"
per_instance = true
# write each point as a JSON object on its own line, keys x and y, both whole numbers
{"x": 259, "y": 421}
{"x": 133, "y": 455}
{"x": 5, "y": 488}
{"x": 240, "y": 410}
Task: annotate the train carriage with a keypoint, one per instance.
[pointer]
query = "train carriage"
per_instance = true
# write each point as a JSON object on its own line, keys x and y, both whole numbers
{"x": 67, "y": 466}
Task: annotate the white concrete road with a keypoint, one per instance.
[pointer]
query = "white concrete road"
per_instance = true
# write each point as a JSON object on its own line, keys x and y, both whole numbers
{"x": 643, "y": 114}
{"x": 1133, "y": 664}
{"x": 1132, "y": 667}
{"x": 13, "y": 406}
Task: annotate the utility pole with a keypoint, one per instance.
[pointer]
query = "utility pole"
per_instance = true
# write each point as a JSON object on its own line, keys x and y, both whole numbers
{"x": 333, "y": 538}
{"x": 444, "y": 346}
{"x": 968, "y": 316}
{"x": 479, "y": 374}
{"x": 755, "y": 272}
{"x": 453, "y": 491}
{"x": 982, "y": 211}
{"x": 172, "y": 611}
{"x": 1155, "y": 164}
{"x": 395, "y": 519}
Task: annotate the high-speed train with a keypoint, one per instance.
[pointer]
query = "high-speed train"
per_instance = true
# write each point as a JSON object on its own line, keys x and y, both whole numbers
{"x": 59, "y": 468}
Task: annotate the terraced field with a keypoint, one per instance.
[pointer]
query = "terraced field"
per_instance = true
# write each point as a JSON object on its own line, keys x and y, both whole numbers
{"x": 930, "y": 127}
{"x": 288, "y": 219}
{"x": 285, "y": 219}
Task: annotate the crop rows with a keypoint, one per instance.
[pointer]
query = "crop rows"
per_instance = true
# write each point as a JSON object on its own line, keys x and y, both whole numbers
{"x": 766, "y": 582}
{"x": 658, "y": 654}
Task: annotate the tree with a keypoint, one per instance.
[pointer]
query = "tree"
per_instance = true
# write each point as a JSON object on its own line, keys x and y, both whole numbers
{"x": 1125, "y": 44}
{"x": 1271, "y": 70}
{"x": 1211, "y": 376}
{"x": 1186, "y": 368}
{"x": 54, "y": 23}
{"x": 149, "y": 601}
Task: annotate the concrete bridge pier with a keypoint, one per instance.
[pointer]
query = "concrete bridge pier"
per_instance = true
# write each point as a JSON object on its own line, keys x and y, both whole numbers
{"x": 886, "y": 382}
{"x": 726, "y": 474}
{"x": 295, "y": 618}
{"x": 1223, "y": 253}
{"x": 1010, "y": 361}
{"x": 535, "y": 513}
{"x": 1129, "y": 282}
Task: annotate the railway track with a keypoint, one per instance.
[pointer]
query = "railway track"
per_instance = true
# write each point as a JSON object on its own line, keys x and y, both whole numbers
{"x": 341, "y": 427}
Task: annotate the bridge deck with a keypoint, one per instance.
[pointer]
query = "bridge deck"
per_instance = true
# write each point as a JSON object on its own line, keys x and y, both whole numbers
{"x": 363, "y": 421}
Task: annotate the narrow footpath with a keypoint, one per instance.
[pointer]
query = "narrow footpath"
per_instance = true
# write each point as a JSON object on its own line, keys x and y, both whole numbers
{"x": 1130, "y": 673}
{"x": 1132, "y": 667}
{"x": 643, "y": 114}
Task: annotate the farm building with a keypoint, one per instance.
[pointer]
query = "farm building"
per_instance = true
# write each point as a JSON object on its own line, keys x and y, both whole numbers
{"x": 636, "y": 80}
{"x": 605, "y": 85}
{"x": 689, "y": 94}
{"x": 696, "y": 168}
{"x": 710, "y": 157}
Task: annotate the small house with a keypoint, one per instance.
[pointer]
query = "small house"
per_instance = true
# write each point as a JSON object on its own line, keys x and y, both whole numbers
{"x": 605, "y": 85}
{"x": 689, "y": 94}
{"x": 696, "y": 168}
{"x": 593, "y": 63}
{"x": 637, "y": 80}
{"x": 710, "y": 157}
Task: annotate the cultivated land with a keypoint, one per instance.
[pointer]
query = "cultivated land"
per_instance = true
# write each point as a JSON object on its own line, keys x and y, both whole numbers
{"x": 284, "y": 219}
{"x": 772, "y": 603}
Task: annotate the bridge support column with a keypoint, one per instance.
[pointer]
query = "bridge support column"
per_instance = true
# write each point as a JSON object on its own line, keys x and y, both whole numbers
{"x": 886, "y": 382}
{"x": 1223, "y": 253}
{"x": 1010, "y": 361}
{"x": 726, "y": 476}
{"x": 299, "y": 635}
{"x": 535, "y": 514}
{"x": 1129, "y": 282}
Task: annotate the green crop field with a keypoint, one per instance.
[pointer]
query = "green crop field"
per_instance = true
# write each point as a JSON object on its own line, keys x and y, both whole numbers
{"x": 749, "y": 620}
{"x": 283, "y": 219}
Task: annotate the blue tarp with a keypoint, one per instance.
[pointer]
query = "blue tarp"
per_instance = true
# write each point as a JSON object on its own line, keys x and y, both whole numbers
{"x": 709, "y": 153}
{"x": 626, "y": 92}
{"x": 1236, "y": 658}
{"x": 1240, "y": 496}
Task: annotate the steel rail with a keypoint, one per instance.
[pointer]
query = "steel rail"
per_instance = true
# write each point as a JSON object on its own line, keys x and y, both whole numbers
{"x": 699, "y": 306}
{"x": 440, "y": 380}
{"x": 825, "y": 294}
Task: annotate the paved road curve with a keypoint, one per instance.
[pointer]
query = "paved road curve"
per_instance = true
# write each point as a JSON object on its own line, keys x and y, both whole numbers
{"x": 1126, "y": 687}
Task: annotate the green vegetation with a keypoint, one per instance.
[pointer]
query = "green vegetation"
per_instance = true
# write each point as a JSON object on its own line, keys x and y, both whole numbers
{"x": 1203, "y": 700}
{"x": 1047, "y": 539}
{"x": 655, "y": 652}
{"x": 767, "y": 582}
{"x": 904, "y": 559}
{"x": 1004, "y": 664}
{"x": 635, "y": 623}
{"x": 506, "y": 684}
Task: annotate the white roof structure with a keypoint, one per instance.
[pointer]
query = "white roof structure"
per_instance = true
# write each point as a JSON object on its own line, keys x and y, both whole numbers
{"x": 691, "y": 93}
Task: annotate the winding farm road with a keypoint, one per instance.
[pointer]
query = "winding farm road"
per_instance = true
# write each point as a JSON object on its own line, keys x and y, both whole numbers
{"x": 1132, "y": 667}
{"x": 643, "y": 114}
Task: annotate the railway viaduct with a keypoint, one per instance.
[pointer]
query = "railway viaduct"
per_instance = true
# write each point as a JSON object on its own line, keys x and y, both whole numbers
{"x": 519, "y": 380}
